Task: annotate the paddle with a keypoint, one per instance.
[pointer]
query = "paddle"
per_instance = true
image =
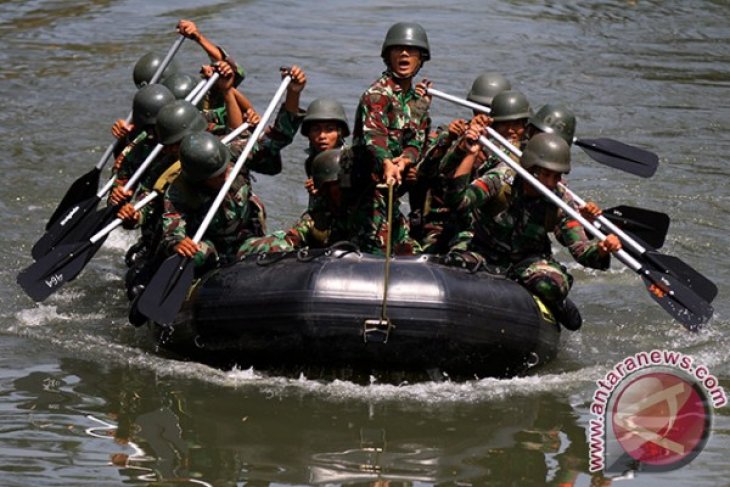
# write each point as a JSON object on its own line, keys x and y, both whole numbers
{"x": 85, "y": 187}
{"x": 682, "y": 303}
{"x": 649, "y": 226}
{"x": 606, "y": 151}
{"x": 705, "y": 288}
{"x": 75, "y": 225}
{"x": 65, "y": 262}
{"x": 162, "y": 298}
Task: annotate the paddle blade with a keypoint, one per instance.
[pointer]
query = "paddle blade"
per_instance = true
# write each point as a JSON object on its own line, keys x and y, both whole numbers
{"x": 677, "y": 299}
{"x": 164, "y": 295}
{"x": 82, "y": 189}
{"x": 64, "y": 230}
{"x": 668, "y": 264}
{"x": 649, "y": 226}
{"x": 621, "y": 156}
{"x": 61, "y": 265}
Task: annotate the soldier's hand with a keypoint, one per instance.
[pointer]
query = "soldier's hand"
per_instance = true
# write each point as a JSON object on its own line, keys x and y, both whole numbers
{"x": 121, "y": 128}
{"x": 422, "y": 89}
{"x": 187, "y": 248}
{"x": 457, "y": 127}
{"x": 188, "y": 29}
{"x": 609, "y": 245}
{"x": 252, "y": 117}
{"x": 120, "y": 195}
{"x": 298, "y": 78}
{"x": 309, "y": 186}
{"x": 590, "y": 211}
{"x": 207, "y": 71}
{"x": 391, "y": 172}
{"x": 469, "y": 142}
{"x": 225, "y": 81}
{"x": 481, "y": 119}
{"x": 128, "y": 214}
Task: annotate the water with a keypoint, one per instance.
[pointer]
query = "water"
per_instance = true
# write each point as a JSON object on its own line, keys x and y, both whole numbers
{"x": 88, "y": 400}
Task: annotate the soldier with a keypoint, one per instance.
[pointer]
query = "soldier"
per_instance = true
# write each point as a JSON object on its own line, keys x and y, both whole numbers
{"x": 344, "y": 215}
{"x": 205, "y": 163}
{"x": 146, "y": 66}
{"x": 438, "y": 224}
{"x": 325, "y": 125}
{"x": 392, "y": 119}
{"x": 512, "y": 221}
{"x": 180, "y": 84}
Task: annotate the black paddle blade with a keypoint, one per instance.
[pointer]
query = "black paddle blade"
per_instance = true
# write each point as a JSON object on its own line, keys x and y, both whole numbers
{"x": 164, "y": 295}
{"x": 649, "y": 226}
{"x": 68, "y": 228}
{"x": 668, "y": 264}
{"x": 677, "y": 299}
{"x": 82, "y": 189}
{"x": 620, "y": 156}
{"x": 61, "y": 265}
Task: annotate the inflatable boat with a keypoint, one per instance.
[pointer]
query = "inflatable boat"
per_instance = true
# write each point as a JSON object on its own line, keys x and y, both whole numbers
{"x": 325, "y": 311}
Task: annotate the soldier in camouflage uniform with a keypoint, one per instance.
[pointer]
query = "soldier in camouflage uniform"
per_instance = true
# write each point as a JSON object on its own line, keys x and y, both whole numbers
{"x": 205, "y": 163}
{"x": 346, "y": 213}
{"x": 325, "y": 125}
{"x": 512, "y": 221}
{"x": 392, "y": 119}
{"x": 439, "y": 225}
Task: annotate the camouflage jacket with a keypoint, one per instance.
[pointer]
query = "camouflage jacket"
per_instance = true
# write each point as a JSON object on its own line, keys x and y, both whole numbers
{"x": 185, "y": 207}
{"x": 389, "y": 122}
{"x": 510, "y": 226}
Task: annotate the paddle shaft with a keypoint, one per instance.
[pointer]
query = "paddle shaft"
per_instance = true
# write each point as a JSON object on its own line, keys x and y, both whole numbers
{"x": 388, "y": 248}
{"x": 241, "y": 160}
{"x": 155, "y": 78}
{"x": 118, "y": 221}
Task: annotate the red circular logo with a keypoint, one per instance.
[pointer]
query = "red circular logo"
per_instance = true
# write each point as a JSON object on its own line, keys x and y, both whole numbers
{"x": 661, "y": 419}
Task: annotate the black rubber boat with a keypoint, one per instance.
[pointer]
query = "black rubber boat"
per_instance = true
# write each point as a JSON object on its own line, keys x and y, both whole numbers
{"x": 321, "y": 314}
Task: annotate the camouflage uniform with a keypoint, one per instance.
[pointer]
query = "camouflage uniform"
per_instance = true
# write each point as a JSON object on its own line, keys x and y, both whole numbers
{"x": 362, "y": 221}
{"x": 389, "y": 122}
{"x": 511, "y": 232}
{"x": 242, "y": 214}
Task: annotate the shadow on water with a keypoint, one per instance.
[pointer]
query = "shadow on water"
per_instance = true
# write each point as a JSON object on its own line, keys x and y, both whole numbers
{"x": 175, "y": 432}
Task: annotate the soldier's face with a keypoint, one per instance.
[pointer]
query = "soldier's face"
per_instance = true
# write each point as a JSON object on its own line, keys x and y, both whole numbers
{"x": 323, "y": 135}
{"x": 216, "y": 183}
{"x": 548, "y": 177}
{"x": 512, "y": 130}
{"x": 404, "y": 61}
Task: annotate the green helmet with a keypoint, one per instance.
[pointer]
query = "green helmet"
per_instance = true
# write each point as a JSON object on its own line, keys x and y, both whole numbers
{"x": 549, "y": 151}
{"x": 555, "y": 119}
{"x": 180, "y": 84}
{"x": 145, "y": 68}
{"x": 203, "y": 156}
{"x": 325, "y": 109}
{"x": 178, "y": 119}
{"x": 147, "y": 103}
{"x": 406, "y": 34}
{"x": 486, "y": 86}
{"x": 326, "y": 167}
{"x": 510, "y": 105}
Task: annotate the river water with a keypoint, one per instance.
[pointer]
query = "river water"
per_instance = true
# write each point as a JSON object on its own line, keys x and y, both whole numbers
{"x": 87, "y": 399}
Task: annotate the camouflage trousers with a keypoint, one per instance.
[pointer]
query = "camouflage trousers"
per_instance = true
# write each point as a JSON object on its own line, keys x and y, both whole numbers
{"x": 275, "y": 242}
{"x": 544, "y": 277}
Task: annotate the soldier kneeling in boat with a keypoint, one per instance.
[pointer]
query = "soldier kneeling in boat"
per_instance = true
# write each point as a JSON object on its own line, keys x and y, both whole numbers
{"x": 205, "y": 163}
{"x": 346, "y": 212}
{"x": 512, "y": 222}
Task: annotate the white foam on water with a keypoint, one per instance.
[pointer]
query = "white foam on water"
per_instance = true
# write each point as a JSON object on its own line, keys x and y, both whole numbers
{"x": 121, "y": 240}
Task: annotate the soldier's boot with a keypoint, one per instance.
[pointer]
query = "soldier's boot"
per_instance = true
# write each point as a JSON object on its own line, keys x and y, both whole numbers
{"x": 568, "y": 315}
